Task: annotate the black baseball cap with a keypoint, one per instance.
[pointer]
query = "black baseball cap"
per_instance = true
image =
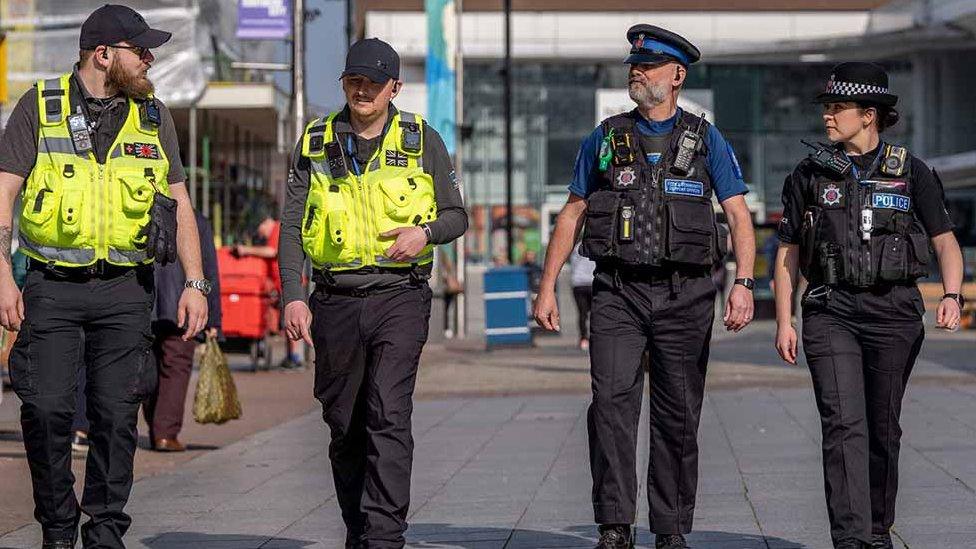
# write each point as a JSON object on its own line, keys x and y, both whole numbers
{"x": 374, "y": 59}
{"x": 111, "y": 24}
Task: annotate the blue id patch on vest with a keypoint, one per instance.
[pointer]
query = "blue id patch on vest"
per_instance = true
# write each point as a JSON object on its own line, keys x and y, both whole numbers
{"x": 653, "y": 158}
{"x": 891, "y": 201}
{"x": 684, "y": 187}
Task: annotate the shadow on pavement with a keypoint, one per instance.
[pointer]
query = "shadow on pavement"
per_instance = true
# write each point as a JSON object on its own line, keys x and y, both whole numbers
{"x": 432, "y": 535}
{"x": 186, "y": 540}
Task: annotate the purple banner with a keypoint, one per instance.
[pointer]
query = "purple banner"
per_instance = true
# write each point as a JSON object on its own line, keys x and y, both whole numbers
{"x": 264, "y": 19}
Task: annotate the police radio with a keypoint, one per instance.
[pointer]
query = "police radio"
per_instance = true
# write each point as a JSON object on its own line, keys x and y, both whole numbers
{"x": 689, "y": 144}
{"x": 830, "y": 160}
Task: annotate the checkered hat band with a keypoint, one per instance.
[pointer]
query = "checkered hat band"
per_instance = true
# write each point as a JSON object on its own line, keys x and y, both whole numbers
{"x": 853, "y": 88}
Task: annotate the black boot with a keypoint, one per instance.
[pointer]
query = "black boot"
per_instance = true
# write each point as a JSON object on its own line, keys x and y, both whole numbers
{"x": 881, "y": 541}
{"x": 59, "y": 544}
{"x": 615, "y": 536}
{"x": 670, "y": 541}
{"x": 851, "y": 543}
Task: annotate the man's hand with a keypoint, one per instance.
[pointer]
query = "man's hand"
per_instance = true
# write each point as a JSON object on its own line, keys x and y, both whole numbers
{"x": 410, "y": 241}
{"x": 786, "y": 343}
{"x": 11, "y": 304}
{"x": 738, "y": 308}
{"x": 192, "y": 312}
{"x": 298, "y": 321}
{"x": 545, "y": 310}
{"x": 948, "y": 314}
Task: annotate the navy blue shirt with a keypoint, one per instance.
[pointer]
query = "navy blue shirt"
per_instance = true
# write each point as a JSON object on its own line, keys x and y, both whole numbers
{"x": 722, "y": 164}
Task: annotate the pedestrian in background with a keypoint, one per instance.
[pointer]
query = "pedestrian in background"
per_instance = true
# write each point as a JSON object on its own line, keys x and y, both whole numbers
{"x": 859, "y": 227}
{"x": 164, "y": 409}
{"x": 372, "y": 191}
{"x": 581, "y": 275}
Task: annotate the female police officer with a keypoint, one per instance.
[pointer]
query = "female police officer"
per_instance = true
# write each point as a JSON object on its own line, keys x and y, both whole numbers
{"x": 858, "y": 218}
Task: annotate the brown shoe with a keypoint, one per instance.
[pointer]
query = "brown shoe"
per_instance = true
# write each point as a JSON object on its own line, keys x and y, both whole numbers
{"x": 168, "y": 445}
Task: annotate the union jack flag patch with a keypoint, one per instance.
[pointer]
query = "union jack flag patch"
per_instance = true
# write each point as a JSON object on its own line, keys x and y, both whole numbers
{"x": 396, "y": 158}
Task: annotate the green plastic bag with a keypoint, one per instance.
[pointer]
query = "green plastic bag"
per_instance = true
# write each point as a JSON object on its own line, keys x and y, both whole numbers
{"x": 215, "y": 400}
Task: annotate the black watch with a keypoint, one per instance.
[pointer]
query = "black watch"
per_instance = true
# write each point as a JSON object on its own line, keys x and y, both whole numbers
{"x": 749, "y": 283}
{"x": 203, "y": 285}
{"x": 958, "y": 297}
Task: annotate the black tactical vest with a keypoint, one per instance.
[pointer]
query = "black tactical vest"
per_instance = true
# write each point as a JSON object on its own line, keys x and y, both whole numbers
{"x": 642, "y": 213}
{"x": 863, "y": 233}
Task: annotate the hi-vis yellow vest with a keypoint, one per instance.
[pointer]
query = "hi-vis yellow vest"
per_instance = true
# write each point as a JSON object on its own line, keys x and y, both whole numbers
{"x": 344, "y": 216}
{"x": 77, "y": 211}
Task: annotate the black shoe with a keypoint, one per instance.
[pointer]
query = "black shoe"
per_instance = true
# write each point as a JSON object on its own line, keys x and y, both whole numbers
{"x": 881, "y": 541}
{"x": 670, "y": 541}
{"x": 289, "y": 364}
{"x": 615, "y": 536}
{"x": 59, "y": 544}
{"x": 851, "y": 543}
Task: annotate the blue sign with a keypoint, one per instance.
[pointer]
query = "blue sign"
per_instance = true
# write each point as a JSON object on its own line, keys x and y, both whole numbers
{"x": 684, "y": 187}
{"x": 440, "y": 69}
{"x": 891, "y": 201}
{"x": 263, "y": 19}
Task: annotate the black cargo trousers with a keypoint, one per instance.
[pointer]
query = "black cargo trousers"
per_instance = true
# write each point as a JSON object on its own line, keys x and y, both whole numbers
{"x": 101, "y": 323}
{"x": 861, "y": 346}
{"x": 367, "y": 349}
{"x": 671, "y": 317}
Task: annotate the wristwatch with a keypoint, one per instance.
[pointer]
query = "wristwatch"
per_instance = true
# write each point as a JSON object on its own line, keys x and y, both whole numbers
{"x": 203, "y": 285}
{"x": 747, "y": 282}
{"x": 958, "y": 297}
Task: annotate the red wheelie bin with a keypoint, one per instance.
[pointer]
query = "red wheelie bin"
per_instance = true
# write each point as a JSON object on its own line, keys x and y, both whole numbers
{"x": 249, "y": 301}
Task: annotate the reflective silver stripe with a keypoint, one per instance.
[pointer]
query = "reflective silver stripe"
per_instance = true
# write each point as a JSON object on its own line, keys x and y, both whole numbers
{"x": 351, "y": 265}
{"x": 57, "y": 145}
{"x": 53, "y": 84}
{"x": 74, "y": 256}
{"x": 382, "y": 260}
{"x": 375, "y": 164}
{"x": 126, "y": 256}
{"x": 116, "y": 152}
{"x": 319, "y": 167}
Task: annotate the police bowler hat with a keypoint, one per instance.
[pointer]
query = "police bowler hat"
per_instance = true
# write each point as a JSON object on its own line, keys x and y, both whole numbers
{"x": 858, "y": 82}
{"x": 650, "y": 44}
{"x": 111, "y": 24}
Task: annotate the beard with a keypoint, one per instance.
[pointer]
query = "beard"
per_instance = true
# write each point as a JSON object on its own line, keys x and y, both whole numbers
{"x": 646, "y": 94}
{"x": 131, "y": 84}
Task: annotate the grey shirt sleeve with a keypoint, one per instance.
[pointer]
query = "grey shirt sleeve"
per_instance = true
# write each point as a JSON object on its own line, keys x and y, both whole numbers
{"x": 18, "y": 147}
{"x": 451, "y": 220}
{"x": 171, "y": 145}
{"x": 291, "y": 254}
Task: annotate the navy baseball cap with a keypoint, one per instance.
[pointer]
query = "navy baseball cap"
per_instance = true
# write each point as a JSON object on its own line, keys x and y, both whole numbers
{"x": 650, "y": 44}
{"x": 111, "y": 24}
{"x": 374, "y": 59}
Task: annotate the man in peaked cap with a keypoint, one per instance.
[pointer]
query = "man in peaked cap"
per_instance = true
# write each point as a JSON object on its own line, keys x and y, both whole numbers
{"x": 642, "y": 190}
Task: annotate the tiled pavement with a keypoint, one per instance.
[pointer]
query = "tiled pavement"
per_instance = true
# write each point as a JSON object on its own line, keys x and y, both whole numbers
{"x": 512, "y": 472}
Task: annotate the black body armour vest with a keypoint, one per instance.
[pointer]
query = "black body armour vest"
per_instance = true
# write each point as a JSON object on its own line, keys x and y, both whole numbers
{"x": 863, "y": 233}
{"x": 643, "y": 213}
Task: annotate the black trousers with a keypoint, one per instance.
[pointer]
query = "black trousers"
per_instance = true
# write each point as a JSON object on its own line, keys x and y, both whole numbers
{"x": 861, "y": 347}
{"x": 583, "y": 295}
{"x": 102, "y": 324}
{"x": 367, "y": 350}
{"x": 673, "y": 322}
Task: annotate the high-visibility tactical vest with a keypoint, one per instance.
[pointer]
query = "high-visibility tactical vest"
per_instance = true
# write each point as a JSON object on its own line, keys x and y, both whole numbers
{"x": 863, "y": 229}
{"x": 77, "y": 211}
{"x": 348, "y": 206}
{"x": 643, "y": 212}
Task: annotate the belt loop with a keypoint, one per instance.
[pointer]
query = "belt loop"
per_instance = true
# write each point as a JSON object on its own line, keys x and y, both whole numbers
{"x": 675, "y": 282}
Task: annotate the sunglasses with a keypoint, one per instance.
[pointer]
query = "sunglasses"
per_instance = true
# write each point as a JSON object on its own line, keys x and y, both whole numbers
{"x": 140, "y": 51}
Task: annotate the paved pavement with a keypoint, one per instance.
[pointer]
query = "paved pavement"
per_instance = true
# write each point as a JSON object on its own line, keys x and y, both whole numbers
{"x": 512, "y": 472}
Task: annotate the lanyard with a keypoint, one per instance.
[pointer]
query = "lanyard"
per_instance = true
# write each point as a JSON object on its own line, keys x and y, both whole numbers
{"x": 870, "y": 171}
{"x": 352, "y": 157}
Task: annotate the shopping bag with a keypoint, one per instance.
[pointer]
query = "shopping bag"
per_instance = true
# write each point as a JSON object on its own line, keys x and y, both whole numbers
{"x": 215, "y": 400}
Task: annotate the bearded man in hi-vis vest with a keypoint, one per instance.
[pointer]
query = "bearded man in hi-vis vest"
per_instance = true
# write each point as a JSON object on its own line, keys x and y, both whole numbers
{"x": 95, "y": 161}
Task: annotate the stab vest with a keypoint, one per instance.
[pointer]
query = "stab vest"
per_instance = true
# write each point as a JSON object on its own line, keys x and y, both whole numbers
{"x": 345, "y": 212}
{"x": 77, "y": 211}
{"x": 896, "y": 249}
{"x": 642, "y": 213}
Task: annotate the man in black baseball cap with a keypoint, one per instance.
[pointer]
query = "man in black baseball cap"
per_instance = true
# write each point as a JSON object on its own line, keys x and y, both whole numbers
{"x": 97, "y": 158}
{"x": 371, "y": 306}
